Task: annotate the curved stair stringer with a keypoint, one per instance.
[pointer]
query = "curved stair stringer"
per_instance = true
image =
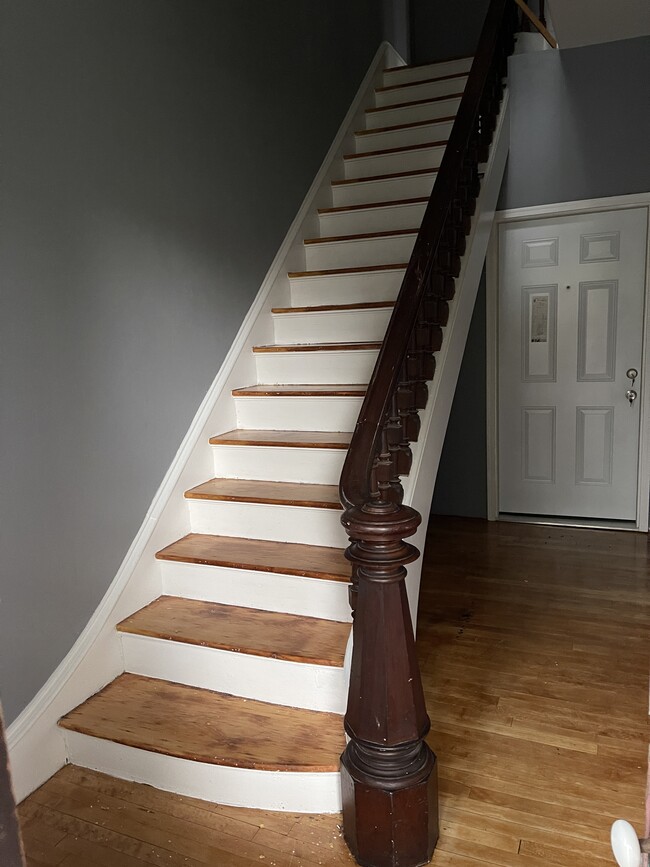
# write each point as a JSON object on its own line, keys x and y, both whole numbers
{"x": 419, "y": 484}
{"x": 37, "y": 747}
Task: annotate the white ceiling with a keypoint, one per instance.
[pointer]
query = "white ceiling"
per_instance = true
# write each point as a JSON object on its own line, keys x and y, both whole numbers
{"x": 584, "y": 22}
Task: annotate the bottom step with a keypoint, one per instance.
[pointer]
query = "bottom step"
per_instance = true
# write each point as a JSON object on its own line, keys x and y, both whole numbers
{"x": 210, "y": 745}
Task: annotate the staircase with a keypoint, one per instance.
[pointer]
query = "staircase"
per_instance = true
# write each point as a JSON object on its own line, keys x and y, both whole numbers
{"x": 234, "y": 680}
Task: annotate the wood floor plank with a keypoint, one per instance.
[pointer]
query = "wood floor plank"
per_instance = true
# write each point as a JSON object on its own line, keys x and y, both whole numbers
{"x": 242, "y": 630}
{"x": 210, "y": 727}
{"x": 286, "y": 558}
{"x": 533, "y": 643}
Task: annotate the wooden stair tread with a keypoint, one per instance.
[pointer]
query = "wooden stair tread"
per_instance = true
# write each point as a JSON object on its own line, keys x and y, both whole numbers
{"x": 408, "y": 174}
{"x": 259, "y": 555}
{"x": 292, "y": 438}
{"x": 414, "y": 102}
{"x": 317, "y": 347}
{"x": 414, "y": 123}
{"x": 324, "y": 308}
{"x": 421, "y": 81}
{"x": 399, "y": 150}
{"x": 214, "y": 728}
{"x": 367, "y": 207}
{"x": 275, "y": 493}
{"x": 361, "y": 269}
{"x": 430, "y": 63}
{"x": 302, "y": 390}
{"x": 242, "y": 630}
{"x": 389, "y": 233}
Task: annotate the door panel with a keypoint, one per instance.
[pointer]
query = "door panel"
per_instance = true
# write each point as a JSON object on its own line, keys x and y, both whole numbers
{"x": 570, "y": 325}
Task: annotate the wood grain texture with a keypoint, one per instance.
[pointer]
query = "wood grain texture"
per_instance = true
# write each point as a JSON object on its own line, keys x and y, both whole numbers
{"x": 290, "y": 438}
{"x": 285, "y": 558}
{"x": 333, "y": 239}
{"x": 281, "y": 493}
{"x": 421, "y": 81}
{"x": 421, "y": 65}
{"x": 365, "y": 207}
{"x": 533, "y": 642}
{"x": 371, "y": 178}
{"x": 374, "y": 131}
{"x": 210, "y": 727}
{"x": 399, "y": 150}
{"x": 242, "y": 630}
{"x": 82, "y": 818}
{"x": 321, "y": 308}
{"x": 316, "y": 347}
{"x": 334, "y": 390}
{"x": 362, "y": 269}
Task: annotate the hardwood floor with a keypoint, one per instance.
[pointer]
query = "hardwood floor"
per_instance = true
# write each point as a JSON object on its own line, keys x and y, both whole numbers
{"x": 534, "y": 648}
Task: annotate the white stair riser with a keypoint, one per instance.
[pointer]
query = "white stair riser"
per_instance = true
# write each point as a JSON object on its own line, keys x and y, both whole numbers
{"x": 270, "y": 591}
{"x": 237, "y": 787}
{"x": 420, "y": 90}
{"x": 372, "y": 220}
{"x": 431, "y": 70}
{"x": 329, "y": 325}
{"x": 279, "y": 464}
{"x": 277, "y": 523}
{"x": 390, "y": 189}
{"x": 315, "y": 687}
{"x": 384, "y": 250}
{"x": 386, "y": 164}
{"x": 346, "y": 288}
{"x": 412, "y": 113}
{"x": 289, "y": 368}
{"x": 300, "y": 413}
{"x": 402, "y": 138}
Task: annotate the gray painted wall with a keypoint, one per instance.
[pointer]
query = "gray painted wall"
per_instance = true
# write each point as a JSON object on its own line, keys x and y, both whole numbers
{"x": 580, "y": 129}
{"x": 580, "y": 124}
{"x": 154, "y": 154}
{"x": 440, "y": 30}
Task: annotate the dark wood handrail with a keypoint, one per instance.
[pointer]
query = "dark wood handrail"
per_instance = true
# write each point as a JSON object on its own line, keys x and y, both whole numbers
{"x": 388, "y": 772}
{"x": 355, "y": 485}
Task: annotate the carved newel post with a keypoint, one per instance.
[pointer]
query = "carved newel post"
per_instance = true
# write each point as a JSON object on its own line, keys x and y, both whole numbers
{"x": 389, "y": 775}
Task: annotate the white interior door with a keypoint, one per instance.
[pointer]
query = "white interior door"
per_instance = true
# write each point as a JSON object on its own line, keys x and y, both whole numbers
{"x": 571, "y": 302}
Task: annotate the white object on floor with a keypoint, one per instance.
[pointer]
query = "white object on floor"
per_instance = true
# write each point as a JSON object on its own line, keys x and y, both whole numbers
{"x": 625, "y": 844}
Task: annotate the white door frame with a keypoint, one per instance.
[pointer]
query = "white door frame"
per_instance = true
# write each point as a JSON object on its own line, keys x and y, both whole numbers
{"x": 563, "y": 209}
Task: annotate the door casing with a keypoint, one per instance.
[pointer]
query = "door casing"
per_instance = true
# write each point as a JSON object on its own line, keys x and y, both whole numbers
{"x": 563, "y": 209}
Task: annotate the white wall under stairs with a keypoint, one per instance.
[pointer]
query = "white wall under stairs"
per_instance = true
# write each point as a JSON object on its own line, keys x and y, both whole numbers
{"x": 323, "y": 294}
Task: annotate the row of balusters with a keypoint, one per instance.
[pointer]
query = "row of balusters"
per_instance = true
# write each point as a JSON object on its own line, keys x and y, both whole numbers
{"x": 401, "y": 423}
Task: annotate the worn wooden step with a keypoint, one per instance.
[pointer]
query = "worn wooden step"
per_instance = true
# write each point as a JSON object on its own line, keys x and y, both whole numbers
{"x": 361, "y": 249}
{"x": 425, "y": 88}
{"x": 407, "y": 74}
{"x": 241, "y": 630}
{"x": 317, "y": 347}
{"x": 277, "y": 493}
{"x": 283, "y": 558}
{"x": 394, "y": 159}
{"x": 372, "y": 206}
{"x": 314, "y": 457}
{"x": 208, "y": 727}
{"x": 326, "y": 406}
{"x": 410, "y": 112}
{"x": 334, "y": 308}
{"x": 340, "y": 272}
{"x": 410, "y": 184}
{"x": 395, "y": 135}
{"x": 288, "y": 438}
{"x": 302, "y": 390}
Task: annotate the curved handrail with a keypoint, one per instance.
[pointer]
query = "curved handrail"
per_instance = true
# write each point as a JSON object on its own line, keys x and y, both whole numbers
{"x": 355, "y": 485}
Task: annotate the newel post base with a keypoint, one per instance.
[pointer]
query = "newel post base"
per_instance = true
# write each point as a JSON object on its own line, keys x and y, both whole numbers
{"x": 388, "y": 773}
{"x": 390, "y": 826}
